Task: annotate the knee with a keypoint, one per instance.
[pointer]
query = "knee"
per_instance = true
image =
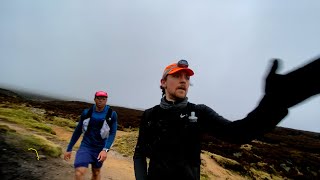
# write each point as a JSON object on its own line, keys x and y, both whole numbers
{"x": 80, "y": 173}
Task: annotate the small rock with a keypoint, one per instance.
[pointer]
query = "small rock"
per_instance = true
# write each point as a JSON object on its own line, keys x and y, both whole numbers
{"x": 42, "y": 157}
{"x": 238, "y": 154}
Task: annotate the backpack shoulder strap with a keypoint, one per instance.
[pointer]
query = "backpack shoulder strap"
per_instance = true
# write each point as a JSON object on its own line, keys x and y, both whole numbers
{"x": 151, "y": 114}
{"x": 108, "y": 117}
{"x": 109, "y": 113}
{"x": 88, "y": 115}
{"x": 191, "y": 107}
{"x": 150, "y": 118}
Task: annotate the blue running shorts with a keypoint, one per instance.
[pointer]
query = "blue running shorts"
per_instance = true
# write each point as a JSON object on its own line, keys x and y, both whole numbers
{"x": 85, "y": 156}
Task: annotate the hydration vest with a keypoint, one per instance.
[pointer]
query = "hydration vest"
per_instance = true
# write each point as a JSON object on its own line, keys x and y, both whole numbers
{"x": 104, "y": 130}
{"x": 154, "y": 126}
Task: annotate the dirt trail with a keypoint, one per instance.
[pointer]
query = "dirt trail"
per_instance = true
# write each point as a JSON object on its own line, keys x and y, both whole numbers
{"x": 116, "y": 167}
{"x": 20, "y": 164}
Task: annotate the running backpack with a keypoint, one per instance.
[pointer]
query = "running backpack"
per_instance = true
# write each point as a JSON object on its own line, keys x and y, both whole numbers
{"x": 104, "y": 130}
{"x": 153, "y": 127}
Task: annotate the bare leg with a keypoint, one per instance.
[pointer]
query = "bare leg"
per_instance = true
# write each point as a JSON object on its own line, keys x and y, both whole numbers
{"x": 80, "y": 172}
{"x": 96, "y": 174}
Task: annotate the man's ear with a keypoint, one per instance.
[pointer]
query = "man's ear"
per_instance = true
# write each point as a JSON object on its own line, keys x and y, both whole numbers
{"x": 163, "y": 83}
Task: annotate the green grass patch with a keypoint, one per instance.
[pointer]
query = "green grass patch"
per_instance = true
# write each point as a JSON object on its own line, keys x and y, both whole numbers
{"x": 22, "y": 115}
{"x": 25, "y": 141}
{"x": 125, "y": 144}
{"x": 204, "y": 176}
{"x": 63, "y": 122}
{"x": 257, "y": 174}
{"x": 229, "y": 164}
{"x": 5, "y": 129}
{"x": 43, "y": 145}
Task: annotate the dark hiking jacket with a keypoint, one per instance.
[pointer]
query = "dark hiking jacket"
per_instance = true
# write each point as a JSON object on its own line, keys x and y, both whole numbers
{"x": 171, "y": 138}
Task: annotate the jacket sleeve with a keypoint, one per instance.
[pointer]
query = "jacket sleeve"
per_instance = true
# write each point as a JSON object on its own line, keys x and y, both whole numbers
{"x": 139, "y": 157}
{"x": 77, "y": 132}
{"x": 281, "y": 93}
{"x": 261, "y": 120}
{"x": 296, "y": 86}
{"x": 113, "y": 129}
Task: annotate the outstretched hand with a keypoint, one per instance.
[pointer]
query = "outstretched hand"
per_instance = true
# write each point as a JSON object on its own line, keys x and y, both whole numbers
{"x": 273, "y": 80}
{"x": 293, "y": 88}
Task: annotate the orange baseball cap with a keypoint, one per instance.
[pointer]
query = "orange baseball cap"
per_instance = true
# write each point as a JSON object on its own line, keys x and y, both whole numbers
{"x": 182, "y": 65}
{"x": 101, "y": 94}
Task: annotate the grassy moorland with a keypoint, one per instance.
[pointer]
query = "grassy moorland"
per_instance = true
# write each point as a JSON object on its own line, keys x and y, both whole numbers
{"x": 282, "y": 154}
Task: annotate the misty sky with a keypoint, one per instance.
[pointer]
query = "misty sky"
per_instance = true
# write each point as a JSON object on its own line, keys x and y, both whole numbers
{"x": 74, "y": 48}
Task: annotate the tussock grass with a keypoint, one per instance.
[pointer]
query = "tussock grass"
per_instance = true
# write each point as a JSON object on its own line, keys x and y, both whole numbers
{"x": 33, "y": 118}
{"x": 125, "y": 144}
{"x": 263, "y": 175}
{"x": 204, "y": 176}
{"x": 22, "y": 115}
{"x": 250, "y": 173}
{"x": 223, "y": 161}
{"x": 5, "y": 129}
{"x": 42, "y": 144}
{"x": 229, "y": 164}
{"x": 25, "y": 141}
{"x": 63, "y": 122}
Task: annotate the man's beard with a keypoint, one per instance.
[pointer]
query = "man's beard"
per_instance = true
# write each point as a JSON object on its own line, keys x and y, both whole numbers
{"x": 177, "y": 98}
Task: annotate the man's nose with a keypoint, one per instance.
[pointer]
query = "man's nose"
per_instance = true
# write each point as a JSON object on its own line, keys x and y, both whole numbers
{"x": 183, "y": 78}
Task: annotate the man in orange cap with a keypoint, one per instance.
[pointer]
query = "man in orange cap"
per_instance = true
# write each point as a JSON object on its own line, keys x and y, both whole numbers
{"x": 170, "y": 132}
{"x": 98, "y": 125}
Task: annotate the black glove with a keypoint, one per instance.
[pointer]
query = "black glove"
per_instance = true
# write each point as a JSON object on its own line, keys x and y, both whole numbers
{"x": 273, "y": 80}
{"x": 291, "y": 89}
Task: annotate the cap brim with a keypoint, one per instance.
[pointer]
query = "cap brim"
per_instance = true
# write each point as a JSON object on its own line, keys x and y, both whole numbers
{"x": 187, "y": 70}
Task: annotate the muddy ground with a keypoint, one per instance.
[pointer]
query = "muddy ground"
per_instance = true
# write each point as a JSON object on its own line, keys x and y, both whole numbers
{"x": 17, "y": 163}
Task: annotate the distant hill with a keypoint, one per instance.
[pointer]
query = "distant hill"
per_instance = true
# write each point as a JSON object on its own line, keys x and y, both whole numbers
{"x": 128, "y": 118}
{"x": 5, "y": 92}
{"x": 292, "y": 153}
{"x": 28, "y": 95}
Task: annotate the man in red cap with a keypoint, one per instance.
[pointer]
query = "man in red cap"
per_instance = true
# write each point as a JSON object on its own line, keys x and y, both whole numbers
{"x": 98, "y": 125}
{"x": 170, "y": 132}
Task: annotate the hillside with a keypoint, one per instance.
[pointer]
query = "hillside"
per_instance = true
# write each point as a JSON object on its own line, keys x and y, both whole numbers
{"x": 284, "y": 153}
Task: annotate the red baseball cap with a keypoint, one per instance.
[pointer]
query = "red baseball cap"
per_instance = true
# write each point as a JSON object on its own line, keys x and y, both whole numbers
{"x": 101, "y": 94}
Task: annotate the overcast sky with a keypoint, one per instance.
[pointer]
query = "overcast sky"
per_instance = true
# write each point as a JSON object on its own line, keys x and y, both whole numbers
{"x": 74, "y": 48}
